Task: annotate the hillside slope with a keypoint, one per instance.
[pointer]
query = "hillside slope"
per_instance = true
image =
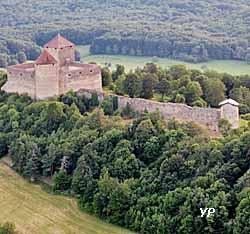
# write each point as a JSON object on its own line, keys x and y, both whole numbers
{"x": 191, "y": 30}
{"x": 36, "y": 212}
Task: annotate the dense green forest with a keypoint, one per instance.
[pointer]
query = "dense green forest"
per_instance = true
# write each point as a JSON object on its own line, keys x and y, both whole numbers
{"x": 193, "y": 31}
{"x": 141, "y": 173}
{"x": 178, "y": 84}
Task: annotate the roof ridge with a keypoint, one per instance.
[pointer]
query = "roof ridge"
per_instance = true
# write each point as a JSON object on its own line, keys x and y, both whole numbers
{"x": 45, "y": 58}
{"x": 58, "y": 42}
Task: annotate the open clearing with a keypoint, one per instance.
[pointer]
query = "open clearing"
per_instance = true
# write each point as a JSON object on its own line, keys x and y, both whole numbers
{"x": 36, "y": 212}
{"x": 131, "y": 62}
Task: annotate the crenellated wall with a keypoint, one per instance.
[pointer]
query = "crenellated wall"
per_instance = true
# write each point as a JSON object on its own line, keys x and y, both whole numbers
{"x": 207, "y": 117}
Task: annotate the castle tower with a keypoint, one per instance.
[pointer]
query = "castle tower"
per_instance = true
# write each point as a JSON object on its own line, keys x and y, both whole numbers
{"x": 46, "y": 76}
{"x": 61, "y": 49}
{"x": 230, "y": 111}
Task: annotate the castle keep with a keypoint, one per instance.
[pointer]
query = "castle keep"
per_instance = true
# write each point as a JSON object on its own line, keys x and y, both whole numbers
{"x": 53, "y": 73}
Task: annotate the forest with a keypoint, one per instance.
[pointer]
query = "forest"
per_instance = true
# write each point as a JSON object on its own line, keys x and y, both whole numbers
{"x": 178, "y": 84}
{"x": 131, "y": 169}
{"x": 194, "y": 31}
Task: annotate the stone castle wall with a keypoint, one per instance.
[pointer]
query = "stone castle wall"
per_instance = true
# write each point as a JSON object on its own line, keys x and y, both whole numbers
{"x": 82, "y": 79}
{"x": 20, "y": 81}
{"x": 207, "y": 117}
{"x": 228, "y": 112}
{"x": 47, "y": 81}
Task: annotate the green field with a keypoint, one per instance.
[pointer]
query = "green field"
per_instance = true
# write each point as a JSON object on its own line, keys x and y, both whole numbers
{"x": 36, "y": 212}
{"x": 131, "y": 62}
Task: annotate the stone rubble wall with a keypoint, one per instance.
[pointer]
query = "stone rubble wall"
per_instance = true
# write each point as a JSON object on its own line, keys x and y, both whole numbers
{"x": 207, "y": 117}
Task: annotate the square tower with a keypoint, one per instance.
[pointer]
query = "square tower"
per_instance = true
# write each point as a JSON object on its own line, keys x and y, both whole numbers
{"x": 61, "y": 49}
{"x": 230, "y": 111}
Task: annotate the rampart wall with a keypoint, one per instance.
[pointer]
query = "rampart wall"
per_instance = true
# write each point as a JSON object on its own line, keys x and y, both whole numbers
{"x": 208, "y": 117}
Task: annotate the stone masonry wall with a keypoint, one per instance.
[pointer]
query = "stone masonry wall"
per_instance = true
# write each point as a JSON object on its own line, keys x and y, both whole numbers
{"x": 80, "y": 79}
{"x": 47, "y": 81}
{"x": 207, "y": 117}
{"x": 20, "y": 81}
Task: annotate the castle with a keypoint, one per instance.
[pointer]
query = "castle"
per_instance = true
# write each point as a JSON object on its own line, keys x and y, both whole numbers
{"x": 53, "y": 73}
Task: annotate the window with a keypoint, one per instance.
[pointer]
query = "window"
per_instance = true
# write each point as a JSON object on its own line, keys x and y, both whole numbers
{"x": 69, "y": 74}
{"x": 91, "y": 71}
{"x": 21, "y": 74}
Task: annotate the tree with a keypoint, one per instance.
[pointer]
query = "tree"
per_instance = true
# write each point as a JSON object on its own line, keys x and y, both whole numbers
{"x": 107, "y": 106}
{"x": 120, "y": 70}
{"x": 148, "y": 85}
{"x": 247, "y": 58}
{"x": 163, "y": 87}
{"x": 150, "y": 68}
{"x": 106, "y": 76}
{"x": 3, "y": 60}
{"x": 224, "y": 127}
{"x": 214, "y": 92}
{"x": 62, "y": 181}
{"x": 192, "y": 92}
{"x": 83, "y": 182}
{"x": 21, "y": 57}
{"x": 33, "y": 167}
{"x": 177, "y": 71}
{"x": 132, "y": 85}
{"x": 242, "y": 225}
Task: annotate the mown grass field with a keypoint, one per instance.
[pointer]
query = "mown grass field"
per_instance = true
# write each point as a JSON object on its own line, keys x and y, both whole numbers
{"x": 36, "y": 212}
{"x": 131, "y": 62}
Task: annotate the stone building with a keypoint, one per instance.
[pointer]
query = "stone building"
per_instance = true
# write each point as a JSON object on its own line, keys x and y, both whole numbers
{"x": 53, "y": 73}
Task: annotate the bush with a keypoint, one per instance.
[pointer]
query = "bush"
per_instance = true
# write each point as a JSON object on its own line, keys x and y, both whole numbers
{"x": 128, "y": 111}
{"x": 246, "y": 117}
{"x": 224, "y": 127}
{"x": 107, "y": 106}
{"x": 62, "y": 181}
{"x": 94, "y": 100}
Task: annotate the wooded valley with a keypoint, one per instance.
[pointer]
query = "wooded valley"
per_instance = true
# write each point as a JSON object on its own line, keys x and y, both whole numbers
{"x": 188, "y": 30}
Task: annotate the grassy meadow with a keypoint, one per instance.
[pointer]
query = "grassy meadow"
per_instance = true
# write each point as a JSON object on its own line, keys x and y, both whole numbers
{"x": 131, "y": 62}
{"x": 36, "y": 212}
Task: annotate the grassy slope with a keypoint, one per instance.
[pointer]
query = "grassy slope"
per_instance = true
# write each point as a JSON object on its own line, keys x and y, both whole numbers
{"x": 131, "y": 62}
{"x": 36, "y": 212}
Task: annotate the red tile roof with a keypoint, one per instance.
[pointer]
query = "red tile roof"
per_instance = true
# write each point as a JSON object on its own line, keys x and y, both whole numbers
{"x": 45, "y": 58}
{"x": 58, "y": 42}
